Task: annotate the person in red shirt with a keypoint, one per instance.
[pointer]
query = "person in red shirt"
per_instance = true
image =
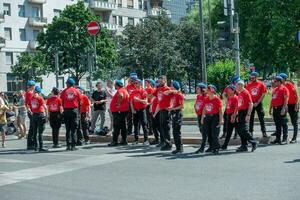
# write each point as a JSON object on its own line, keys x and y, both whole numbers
{"x": 177, "y": 104}
{"x": 55, "y": 109}
{"x": 119, "y": 107}
{"x": 138, "y": 102}
{"x": 130, "y": 88}
{"x": 279, "y": 105}
{"x": 150, "y": 90}
{"x": 164, "y": 103}
{"x": 85, "y": 117}
{"x": 257, "y": 91}
{"x": 70, "y": 100}
{"x": 293, "y": 108}
{"x": 155, "y": 120}
{"x": 231, "y": 106}
{"x": 199, "y": 105}
{"x": 28, "y": 96}
{"x": 38, "y": 110}
{"x": 243, "y": 112}
{"x": 212, "y": 118}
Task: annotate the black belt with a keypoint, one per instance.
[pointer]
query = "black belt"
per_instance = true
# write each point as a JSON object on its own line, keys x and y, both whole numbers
{"x": 70, "y": 108}
{"x": 277, "y": 107}
{"x": 211, "y": 115}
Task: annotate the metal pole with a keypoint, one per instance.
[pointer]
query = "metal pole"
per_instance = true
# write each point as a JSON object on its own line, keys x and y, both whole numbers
{"x": 56, "y": 68}
{"x": 210, "y": 33}
{"x": 95, "y": 52}
{"x": 90, "y": 63}
{"x": 237, "y": 45}
{"x": 203, "y": 60}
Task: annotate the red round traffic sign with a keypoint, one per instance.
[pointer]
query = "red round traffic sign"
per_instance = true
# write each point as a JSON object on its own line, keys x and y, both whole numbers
{"x": 93, "y": 28}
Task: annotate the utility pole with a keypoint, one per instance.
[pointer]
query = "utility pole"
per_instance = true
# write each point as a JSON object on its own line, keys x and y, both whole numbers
{"x": 210, "y": 34}
{"x": 203, "y": 59}
{"x": 90, "y": 66}
{"x": 56, "y": 68}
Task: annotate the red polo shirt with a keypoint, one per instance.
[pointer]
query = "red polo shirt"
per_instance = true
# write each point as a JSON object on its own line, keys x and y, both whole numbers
{"x": 256, "y": 89}
{"x": 70, "y": 97}
{"x": 140, "y": 94}
{"x": 232, "y": 103}
{"x": 164, "y": 101}
{"x": 154, "y": 105}
{"x": 177, "y": 100}
{"x": 36, "y": 104}
{"x": 84, "y": 104}
{"x": 199, "y": 104}
{"x": 124, "y": 106}
{"x": 28, "y": 96}
{"x": 212, "y": 106}
{"x": 54, "y": 104}
{"x": 150, "y": 90}
{"x": 244, "y": 99}
{"x": 292, "y": 92}
{"x": 278, "y": 94}
{"x": 130, "y": 88}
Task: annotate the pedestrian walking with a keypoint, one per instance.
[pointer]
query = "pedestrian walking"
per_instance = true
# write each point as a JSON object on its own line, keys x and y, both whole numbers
{"x": 110, "y": 92}
{"x": 38, "y": 110}
{"x": 55, "y": 110}
{"x": 279, "y": 108}
{"x": 99, "y": 100}
{"x": 231, "y": 109}
{"x": 85, "y": 116}
{"x": 28, "y": 96}
{"x": 119, "y": 107}
{"x": 293, "y": 105}
{"x": 243, "y": 114}
{"x": 22, "y": 114}
{"x": 198, "y": 106}
{"x": 130, "y": 88}
{"x": 212, "y": 118}
{"x": 177, "y": 104}
{"x": 70, "y": 100}
{"x": 3, "y": 121}
{"x": 138, "y": 102}
{"x": 257, "y": 91}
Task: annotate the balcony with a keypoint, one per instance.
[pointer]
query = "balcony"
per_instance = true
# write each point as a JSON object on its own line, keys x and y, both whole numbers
{"x": 2, "y": 42}
{"x": 99, "y": 5}
{"x": 109, "y": 26}
{"x": 38, "y": 21}
{"x": 33, "y": 44}
{"x": 37, "y": 1}
{"x": 1, "y": 17}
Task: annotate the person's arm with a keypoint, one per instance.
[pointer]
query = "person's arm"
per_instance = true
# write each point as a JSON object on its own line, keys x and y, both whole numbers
{"x": 202, "y": 116}
{"x": 221, "y": 120}
{"x": 285, "y": 105}
{"x": 250, "y": 107}
{"x": 119, "y": 100}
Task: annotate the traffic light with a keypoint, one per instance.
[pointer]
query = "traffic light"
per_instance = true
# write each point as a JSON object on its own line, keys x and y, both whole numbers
{"x": 63, "y": 60}
{"x": 224, "y": 39}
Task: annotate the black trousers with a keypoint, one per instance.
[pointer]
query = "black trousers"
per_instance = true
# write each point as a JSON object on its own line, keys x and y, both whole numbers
{"x": 259, "y": 109}
{"x": 294, "y": 119}
{"x": 164, "y": 127}
{"x": 30, "y": 131}
{"x": 70, "y": 117}
{"x": 242, "y": 128}
{"x": 177, "y": 116}
{"x": 212, "y": 129}
{"x": 83, "y": 128}
{"x": 155, "y": 126}
{"x": 280, "y": 122}
{"x": 203, "y": 133}
{"x": 38, "y": 127}
{"x": 129, "y": 120}
{"x": 140, "y": 118}
{"x": 55, "y": 123}
{"x": 225, "y": 125}
{"x": 149, "y": 120}
{"x": 119, "y": 126}
{"x": 230, "y": 127}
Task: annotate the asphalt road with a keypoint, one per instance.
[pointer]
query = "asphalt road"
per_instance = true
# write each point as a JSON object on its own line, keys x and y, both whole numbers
{"x": 144, "y": 173}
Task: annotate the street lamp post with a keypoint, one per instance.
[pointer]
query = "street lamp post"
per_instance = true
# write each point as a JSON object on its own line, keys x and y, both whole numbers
{"x": 203, "y": 59}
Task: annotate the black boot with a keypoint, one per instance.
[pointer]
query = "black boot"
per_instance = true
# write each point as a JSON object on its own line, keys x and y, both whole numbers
{"x": 284, "y": 140}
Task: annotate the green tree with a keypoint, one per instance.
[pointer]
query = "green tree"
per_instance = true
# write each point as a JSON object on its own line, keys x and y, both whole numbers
{"x": 31, "y": 66}
{"x": 67, "y": 33}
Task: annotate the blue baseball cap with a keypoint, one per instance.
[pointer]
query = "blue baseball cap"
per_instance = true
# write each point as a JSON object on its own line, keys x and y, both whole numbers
{"x": 176, "y": 85}
{"x": 283, "y": 75}
{"x": 234, "y": 79}
{"x": 119, "y": 83}
{"x": 151, "y": 81}
{"x": 71, "y": 81}
{"x": 254, "y": 74}
{"x": 232, "y": 87}
{"x": 139, "y": 80}
{"x": 213, "y": 87}
{"x": 202, "y": 85}
{"x": 38, "y": 89}
{"x": 278, "y": 78}
{"x": 31, "y": 83}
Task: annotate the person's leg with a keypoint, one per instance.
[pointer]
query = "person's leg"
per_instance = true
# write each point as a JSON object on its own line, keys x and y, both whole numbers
{"x": 261, "y": 117}
{"x": 215, "y": 131}
{"x": 155, "y": 128}
{"x": 203, "y": 133}
{"x": 224, "y": 126}
{"x": 41, "y": 128}
{"x": 240, "y": 130}
{"x": 111, "y": 120}
{"x": 165, "y": 128}
{"x": 284, "y": 125}
{"x": 143, "y": 122}
{"x": 68, "y": 128}
{"x": 230, "y": 127}
{"x": 294, "y": 119}
{"x": 30, "y": 132}
{"x": 102, "y": 118}
{"x": 245, "y": 132}
{"x": 84, "y": 124}
{"x": 276, "y": 117}
{"x": 136, "y": 123}
{"x": 34, "y": 122}
{"x": 251, "y": 124}
{"x": 207, "y": 129}
{"x": 95, "y": 115}
{"x": 176, "y": 125}
{"x": 2, "y": 135}
{"x": 149, "y": 120}
{"x": 129, "y": 119}
{"x": 116, "y": 127}
{"x": 123, "y": 127}
{"x": 74, "y": 126}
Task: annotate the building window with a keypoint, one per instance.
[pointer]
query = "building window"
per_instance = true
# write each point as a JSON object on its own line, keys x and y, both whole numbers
{"x": 22, "y": 34}
{"x": 56, "y": 12}
{"x": 145, "y": 5}
{"x": 35, "y": 12}
{"x": 120, "y": 21}
{"x": 119, "y": 3}
{"x": 129, "y": 3}
{"x": 131, "y": 21}
{"x": 14, "y": 83}
{"x": 7, "y": 33}
{"x": 21, "y": 11}
{"x": 6, "y": 9}
{"x": 141, "y": 4}
{"x": 9, "y": 58}
{"x": 35, "y": 34}
{"x": 115, "y": 20}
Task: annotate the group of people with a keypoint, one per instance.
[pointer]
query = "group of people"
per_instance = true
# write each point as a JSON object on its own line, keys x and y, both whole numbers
{"x": 156, "y": 108}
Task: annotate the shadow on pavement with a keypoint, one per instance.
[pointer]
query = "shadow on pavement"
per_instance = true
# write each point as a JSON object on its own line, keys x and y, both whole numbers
{"x": 293, "y": 161}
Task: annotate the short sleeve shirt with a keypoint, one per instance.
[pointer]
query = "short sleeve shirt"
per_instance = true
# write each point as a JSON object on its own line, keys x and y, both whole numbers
{"x": 140, "y": 94}
{"x": 70, "y": 97}
{"x": 292, "y": 93}
{"x": 177, "y": 100}
{"x": 278, "y": 95}
{"x": 212, "y": 106}
{"x": 98, "y": 96}
{"x": 54, "y": 104}
{"x": 244, "y": 99}
{"x": 232, "y": 103}
{"x": 199, "y": 104}
{"x": 256, "y": 89}
{"x": 36, "y": 104}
